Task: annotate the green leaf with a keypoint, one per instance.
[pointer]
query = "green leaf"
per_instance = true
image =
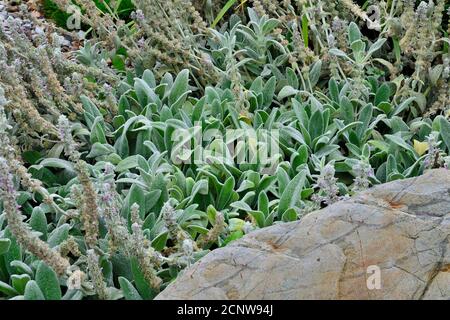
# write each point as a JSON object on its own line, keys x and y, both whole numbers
{"x": 375, "y": 47}
{"x": 139, "y": 280}
{"x": 338, "y": 53}
{"x": 383, "y": 94}
{"x": 225, "y": 193}
{"x": 334, "y": 90}
{"x": 197, "y": 228}
{"x": 7, "y": 289}
{"x": 263, "y": 203}
{"x": 32, "y": 156}
{"x": 99, "y": 149}
{"x": 4, "y": 245}
{"x": 57, "y": 163}
{"x": 47, "y": 280}
{"x": 179, "y": 88}
{"x": 160, "y": 241}
{"x": 241, "y": 205}
{"x": 269, "y": 91}
{"x": 33, "y": 292}
{"x": 292, "y": 193}
{"x": 21, "y": 267}
{"x": 152, "y": 198}
{"x": 232, "y": 237}
{"x": 315, "y": 127}
{"x": 128, "y": 163}
{"x": 135, "y": 195}
{"x": 59, "y": 235}
{"x": 353, "y": 32}
{"x": 269, "y": 25}
{"x": 305, "y": 24}
{"x": 386, "y": 107}
{"x": 306, "y": 193}
{"x": 144, "y": 93}
{"x": 445, "y": 132}
{"x": 14, "y": 252}
{"x": 347, "y": 110}
{"x": 118, "y": 62}
{"x": 287, "y": 91}
{"x": 149, "y": 77}
{"x": 358, "y": 48}
{"x": 98, "y": 132}
{"x": 76, "y": 295}
{"x": 400, "y": 142}
{"x": 129, "y": 291}
{"x": 38, "y": 222}
{"x": 222, "y": 12}
{"x": 19, "y": 282}
{"x": 259, "y": 217}
{"x": 402, "y": 106}
{"x": 397, "y": 50}
{"x": 314, "y": 74}
{"x": 391, "y": 165}
{"x": 289, "y": 215}
{"x": 326, "y": 150}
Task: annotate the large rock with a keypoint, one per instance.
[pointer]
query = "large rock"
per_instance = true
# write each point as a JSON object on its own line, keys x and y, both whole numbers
{"x": 402, "y": 227}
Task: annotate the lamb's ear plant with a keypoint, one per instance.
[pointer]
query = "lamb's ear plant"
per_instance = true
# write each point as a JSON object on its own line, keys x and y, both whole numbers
{"x": 103, "y": 195}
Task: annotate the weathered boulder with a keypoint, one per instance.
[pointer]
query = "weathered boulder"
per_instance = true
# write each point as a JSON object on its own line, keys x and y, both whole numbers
{"x": 401, "y": 227}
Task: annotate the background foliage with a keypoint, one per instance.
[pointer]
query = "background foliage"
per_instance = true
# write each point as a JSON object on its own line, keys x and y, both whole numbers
{"x": 93, "y": 205}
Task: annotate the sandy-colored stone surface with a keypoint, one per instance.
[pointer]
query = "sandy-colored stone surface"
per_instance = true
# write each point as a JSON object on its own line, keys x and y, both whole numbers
{"x": 403, "y": 227}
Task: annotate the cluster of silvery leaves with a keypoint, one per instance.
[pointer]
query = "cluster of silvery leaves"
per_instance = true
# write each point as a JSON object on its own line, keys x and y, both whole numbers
{"x": 332, "y": 143}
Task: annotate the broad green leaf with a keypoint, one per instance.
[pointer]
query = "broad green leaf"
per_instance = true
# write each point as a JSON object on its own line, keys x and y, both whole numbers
{"x": 353, "y": 32}
{"x": 128, "y": 163}
{"x": 38, "y": 222}
{"x": 14, "y": 252}
{"x": 19, "y": 281}
{"x": 402, "y": 106}
{"x": 316, "y": 124}
{"x": 21, "y": 267}
{"x": 383, "y": 94}
{"x": 269, "y": 91}
{"x": 400, "y": 142}
{"x": 287, "y": 91}
{"x": 59, "y": 235}
{"x": 129, "y": 291}
{"x": 289, "y": 215}
{"x": 232, "y": 237}
{"x": 139, "y": 280}
{"x": 7, "y": 289}
{"x": 47, "y": 280}
{"x": 179, "y": 87}
{"x": 263, "y": 203}
{"x": 160, "y": 241}
{"x": 4, "y": 245}
{"x": 33, "y": 292}
{"x": 314, "y": 74}
{"x": 338, "y": 53}
{"x": 259, "y": 217}
{"x": 347, "y": 110}
{"x": 225, "y": 193}
{"x": 445, "y": 132}
{"x": 98, "y": 132}
{"x": 292, "y": 193}
{"x": 375, "y": 47}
